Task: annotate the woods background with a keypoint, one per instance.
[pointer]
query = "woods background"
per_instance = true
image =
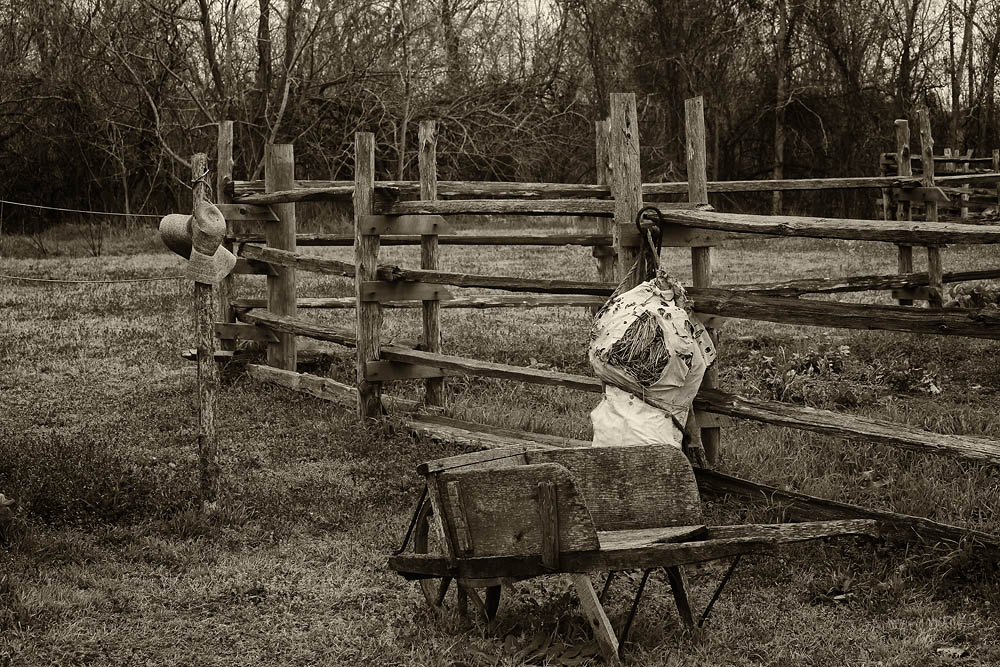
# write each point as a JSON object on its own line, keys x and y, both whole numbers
{"x": 101, "y": 101}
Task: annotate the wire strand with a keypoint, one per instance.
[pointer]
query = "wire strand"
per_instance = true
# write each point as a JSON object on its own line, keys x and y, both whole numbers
{"x": 89, "y": 282}
{"x": 80, "y": 210}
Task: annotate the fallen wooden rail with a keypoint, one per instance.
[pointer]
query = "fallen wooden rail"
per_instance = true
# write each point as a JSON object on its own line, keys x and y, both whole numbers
{"x": 804, "y": 507}
{"x": 865, "y": 429}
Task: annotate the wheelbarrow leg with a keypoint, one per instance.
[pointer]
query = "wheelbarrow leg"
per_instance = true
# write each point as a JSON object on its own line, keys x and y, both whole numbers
{"x": 607, "y": 585}
{"x": 492, "y": 601}
{"x": 678, "y": 584}
{"x": 599, "y": 623}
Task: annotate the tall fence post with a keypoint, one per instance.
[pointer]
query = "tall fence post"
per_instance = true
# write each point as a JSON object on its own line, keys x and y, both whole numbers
{"x": 279, "y": 174}
{"x": 223, "y": 177}
{"x": 366, "y": 246}
{"x": 208, "y": 372}
{"x": 605, "y": 255}
{"x": 904, "y": 210}
{"x": 626, "y": 180}
{"x": 935, "y": 287}
{"x": 427, "y": 163}
{"x": 964, "y": 197}
{"x": 701, "y": 256}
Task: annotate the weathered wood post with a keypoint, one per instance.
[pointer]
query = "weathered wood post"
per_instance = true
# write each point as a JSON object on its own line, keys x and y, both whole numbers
{"x": 427, "y": 164}
{"x": 701, "y": 257}
{"x": 996, "y": 169}
{"x": 366, "y": 246}
{"x": 935, "y": 287}
{"x": 605, "y": 255}
{"x": 904, "y": 210}
{"x": 223, "y": 177}
{"x": 279, "y": 174}
{"x": 208, "y": 372}
{"x": 964, "y": 210}
{"x": 626, "y": 181}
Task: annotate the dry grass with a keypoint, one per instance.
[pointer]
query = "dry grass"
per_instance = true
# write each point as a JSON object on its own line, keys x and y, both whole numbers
{"x": 110, "y": 565}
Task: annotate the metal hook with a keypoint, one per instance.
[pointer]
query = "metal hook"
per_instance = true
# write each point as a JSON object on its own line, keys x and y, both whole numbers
{"x": 654, "y": 248}
{"x": 203, "y": 179}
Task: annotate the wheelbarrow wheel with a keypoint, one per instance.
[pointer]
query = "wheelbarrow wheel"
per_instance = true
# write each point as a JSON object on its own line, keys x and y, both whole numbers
{"x": 427, "y": 541}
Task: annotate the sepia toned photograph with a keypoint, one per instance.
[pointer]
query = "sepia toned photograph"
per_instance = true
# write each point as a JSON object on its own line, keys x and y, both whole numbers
{"x": 499, "y": 333}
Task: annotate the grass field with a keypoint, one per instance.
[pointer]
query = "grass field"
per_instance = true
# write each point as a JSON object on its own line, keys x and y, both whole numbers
{"x": 109, "y": 563}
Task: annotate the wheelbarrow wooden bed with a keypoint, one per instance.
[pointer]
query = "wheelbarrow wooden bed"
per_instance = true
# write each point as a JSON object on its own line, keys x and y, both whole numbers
{"x": 494, "y": 517}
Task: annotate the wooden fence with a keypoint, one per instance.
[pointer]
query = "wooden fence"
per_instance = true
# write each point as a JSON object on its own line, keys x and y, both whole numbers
{"x": 385, "y": 213}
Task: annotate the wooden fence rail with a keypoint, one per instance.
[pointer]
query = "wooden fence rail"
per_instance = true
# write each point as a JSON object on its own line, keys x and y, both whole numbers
{"x": 479, "y": 301}
{"x": 345, "y": 240}
{"x": 251, "y": 192}
{"x": 710, "y": 301}
{"x": 709, "y": 400}
{"x": 890, "y": 231}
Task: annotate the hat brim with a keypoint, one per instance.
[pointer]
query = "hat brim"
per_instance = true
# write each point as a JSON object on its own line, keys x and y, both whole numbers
{"x": 175, "y": 231}
{"x": 208, "y": 270}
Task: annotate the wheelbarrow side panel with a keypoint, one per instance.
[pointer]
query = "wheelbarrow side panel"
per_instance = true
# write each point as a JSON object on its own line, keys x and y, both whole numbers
{"x": 498, "y": 512}
{"x": 645, "y": 486}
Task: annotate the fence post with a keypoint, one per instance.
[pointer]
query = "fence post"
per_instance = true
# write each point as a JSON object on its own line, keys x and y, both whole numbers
{"x": 223, "y": 177}
{"x": 935, "y": 286}
{"x": 427, "y": 163}
{"x": 996, "y": 169}
{"x": 279, "y": 174}
{"x": 964, "y": 210}
{"x": 605, "y": 255}
{"x": 904, "y": 211}
{"x": 369, "y": 313}
{"x": 208, "y": 372}
{"x": 701, "y": 257}
{"x": 626, "y": 180}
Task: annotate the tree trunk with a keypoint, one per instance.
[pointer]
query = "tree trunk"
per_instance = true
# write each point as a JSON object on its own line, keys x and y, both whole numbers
{"x": 455, "y": 63}
{"x": 262, "y": 77}
{"x": 213, "y": 60}
{"x": 781, "y": 50}
{"x": 904, "y": 81}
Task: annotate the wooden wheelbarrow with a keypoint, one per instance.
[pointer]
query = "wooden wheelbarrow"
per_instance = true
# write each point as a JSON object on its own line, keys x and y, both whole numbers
{"x": 491, "y": 518}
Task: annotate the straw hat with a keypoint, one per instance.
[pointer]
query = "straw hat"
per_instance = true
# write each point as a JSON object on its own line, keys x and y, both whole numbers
{"x": 198, "y": 238}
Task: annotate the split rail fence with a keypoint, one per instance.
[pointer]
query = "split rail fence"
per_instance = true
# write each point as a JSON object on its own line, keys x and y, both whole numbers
{"x": 386, "y": 213}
